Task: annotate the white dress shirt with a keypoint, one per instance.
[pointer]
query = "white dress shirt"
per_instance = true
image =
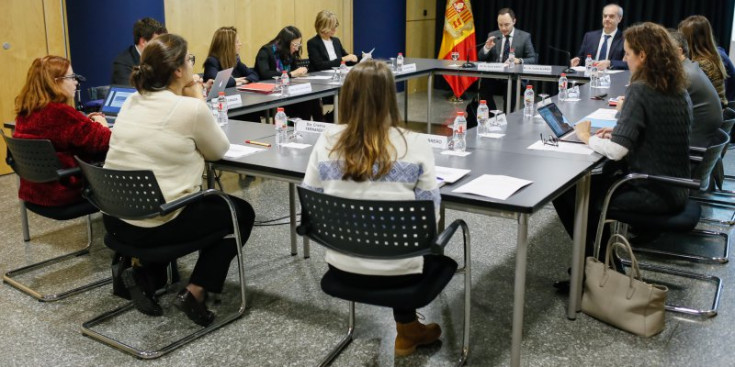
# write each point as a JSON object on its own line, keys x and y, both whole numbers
{"x": 609, "y": 43}
{"x": 330, "y": 49}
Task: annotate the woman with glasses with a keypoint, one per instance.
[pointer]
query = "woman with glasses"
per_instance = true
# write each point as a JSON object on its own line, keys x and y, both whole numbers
{"x": 224, "y": 53}
{"x": 44, "y": 110}
{"x": 325, "y": 50}
{"x": 167, "y": 127}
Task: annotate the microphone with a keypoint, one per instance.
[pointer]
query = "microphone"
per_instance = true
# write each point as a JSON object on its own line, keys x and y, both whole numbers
{"x": 568, "y": 70}
{"x": 468, "y": 64}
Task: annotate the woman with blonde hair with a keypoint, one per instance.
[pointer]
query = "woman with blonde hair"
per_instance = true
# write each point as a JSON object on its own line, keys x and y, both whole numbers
{"x": 224, "y": 53}
{"x": 368, "y": 155}
{"x": 325, "y": 50}
{"x": 698, "y": 33}
{"x": 44, "y": 111}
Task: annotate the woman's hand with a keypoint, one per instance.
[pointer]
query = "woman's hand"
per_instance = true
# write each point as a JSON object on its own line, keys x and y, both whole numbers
{"x": 350, "y": 58}
{"x": 299, "y": 72}
{"x": 241, "y": 81}
{"x": 195, "y": 88}
{"x": 604, "y": 133}
{"x": 99, "y": 118}
{"x": 582, "y": 129}
{"x": 619, "y": 106}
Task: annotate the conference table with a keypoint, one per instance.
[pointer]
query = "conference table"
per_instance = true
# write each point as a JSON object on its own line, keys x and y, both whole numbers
{"x": 552, "y": 173}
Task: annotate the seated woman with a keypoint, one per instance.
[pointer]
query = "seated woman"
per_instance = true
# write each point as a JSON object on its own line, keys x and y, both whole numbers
{"x": 651, "y": 135}
{"x": 702, "y": 48}
{"x": 166, "y": 127}
{"x": 281, "y": 54}
{"x": 224, "y": 53}
{"x": 367, "y": 156}
{"x": 44, "y": 111}
{"x": 325, "y": 50}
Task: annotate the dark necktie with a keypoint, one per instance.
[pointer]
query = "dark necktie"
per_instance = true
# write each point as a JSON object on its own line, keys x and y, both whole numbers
{"x": 603, "y": 49}
{"x": 506, "y": 49}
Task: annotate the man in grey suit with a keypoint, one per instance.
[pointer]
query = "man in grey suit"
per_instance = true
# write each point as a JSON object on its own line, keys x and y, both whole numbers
{"x": 498, "y": 47}
{"x": 705, "y": 100}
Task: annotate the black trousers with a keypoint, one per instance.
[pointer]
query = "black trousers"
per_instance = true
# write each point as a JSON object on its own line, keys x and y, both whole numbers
{"x": 401, "y": 313}
{"x": 195, "y": 221}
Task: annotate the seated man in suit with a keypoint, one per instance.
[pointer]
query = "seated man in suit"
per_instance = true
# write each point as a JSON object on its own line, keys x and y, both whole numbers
{"x": 606, "y": 44}
{"x": 498, "y": 47}
{"x": 144, "y": 30}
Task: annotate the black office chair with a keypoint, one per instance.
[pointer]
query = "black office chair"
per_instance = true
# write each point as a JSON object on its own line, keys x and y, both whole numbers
{"x": 680, "y": 223}
{"x": 383, "y": 230}
{"x": 136, "y": 195}
{"x": 35, "y": 160}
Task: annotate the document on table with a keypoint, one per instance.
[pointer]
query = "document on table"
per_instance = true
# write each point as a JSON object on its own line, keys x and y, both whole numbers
{"x": 493, "y": 186}
{"x": 564, "y": 147}
{"x": 314, "y": 77}
{"x": 450, "y": 175}
{"x": 602, "y": 117}
{"x": 237, "y": 151}
{"x": 296, "y": 145}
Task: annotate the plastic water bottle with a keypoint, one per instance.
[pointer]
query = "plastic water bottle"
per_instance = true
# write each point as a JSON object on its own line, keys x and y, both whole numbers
{"x": 459, "y": 133}
{"x": 343, "y": 70}
{"x": 588, "y": 65}
{"x": 222, "y": 119}
{"x": 285, "y": 81}
{"x": 563, "y": 87}
{"x": 512, "y": 58}
{"x": 483, "y": 117}
{"x": 528, "y": 98}
{"x": 281, "y": 127}
{"x": 399, "y": 62}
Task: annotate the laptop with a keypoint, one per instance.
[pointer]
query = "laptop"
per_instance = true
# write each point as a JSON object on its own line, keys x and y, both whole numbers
{"x": 220, "y": 83}
{"x": 559, "y": 124}
{"x": 116, "y": 96}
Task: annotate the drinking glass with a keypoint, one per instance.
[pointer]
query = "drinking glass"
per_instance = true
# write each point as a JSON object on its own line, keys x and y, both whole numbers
{"x": 455, "y": 57}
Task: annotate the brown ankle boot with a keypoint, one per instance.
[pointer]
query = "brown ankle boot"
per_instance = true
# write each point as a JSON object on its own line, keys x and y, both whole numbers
{"x": 413, "y": 334}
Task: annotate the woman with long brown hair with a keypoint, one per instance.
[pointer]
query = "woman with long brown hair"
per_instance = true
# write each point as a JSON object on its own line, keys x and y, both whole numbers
{"x": 44, "y": 111}
{"x": 224, "y": 53}
{"x": 702, "y": 48}
{"x": 368, "y": 155}
{"x": 651, "y": 135}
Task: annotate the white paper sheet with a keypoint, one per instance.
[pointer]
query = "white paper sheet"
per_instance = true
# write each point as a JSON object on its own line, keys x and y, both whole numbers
{"x": 296, "y": 145}
{"x": 314, "y": 77}
{"x": 457, "y": 153}
{"x": 563, "y": 147}
{"x": 603, "y": 114}
{"x": 579, "y": 69}
{"x": 450, "y": 175}
{"x": 492, "y": 135}
{"x": 237, "y": 151}
{"x": 493, "y": 186}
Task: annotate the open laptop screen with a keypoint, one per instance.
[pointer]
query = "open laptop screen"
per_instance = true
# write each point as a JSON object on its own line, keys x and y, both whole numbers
{"x": 555, "y": 119}
{"x": 115, "y": 99}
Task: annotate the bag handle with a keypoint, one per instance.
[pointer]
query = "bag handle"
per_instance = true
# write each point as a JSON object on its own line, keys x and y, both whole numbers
{"x": 618, "y": 240}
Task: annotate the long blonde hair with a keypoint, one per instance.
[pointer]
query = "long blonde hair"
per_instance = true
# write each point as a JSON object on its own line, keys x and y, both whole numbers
{"x": 698, "y": 33}
{"x": 42, "y": 86}
{"x": 223, "y": 46}
{"x": 367, "y": 105}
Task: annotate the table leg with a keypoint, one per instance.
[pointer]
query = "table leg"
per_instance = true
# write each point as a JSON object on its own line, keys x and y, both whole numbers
{"x": 519, "y": 291}
{"x": 336, "y": 107}
{"x": 508, "y": 95}
{"x": 405, "y": 100}
{"x": 292, "y": 215}
{"x": 580, "y": 237}
{"x": 429, "y": 88}
{"x": 519, "y": 92}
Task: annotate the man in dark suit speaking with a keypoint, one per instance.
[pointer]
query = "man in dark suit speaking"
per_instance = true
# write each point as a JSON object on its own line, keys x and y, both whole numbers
{"x": 606, "y": 44}
{"x": 498, "y": 47}
{"x": 144, "y": 30}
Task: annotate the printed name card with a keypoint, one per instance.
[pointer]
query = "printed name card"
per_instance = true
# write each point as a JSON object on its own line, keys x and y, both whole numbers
{"x": 314, "y": 127}
{"x": 437, "y": 141}
{"x": 545, "y": 69}
{"x": 407, "y": 68}
{"x": 299, "y": 88}
{"x": 234, "y": 100}
{"x": 490, "y": 66}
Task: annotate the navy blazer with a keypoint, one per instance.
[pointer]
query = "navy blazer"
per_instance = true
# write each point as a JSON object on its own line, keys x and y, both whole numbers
{"x": 123, "y": 65}
{"x": 589, "y": 47}
{"x": 319, "y": 57}
{"x": 521, "y": 44}
{"x": 212, "y": 67}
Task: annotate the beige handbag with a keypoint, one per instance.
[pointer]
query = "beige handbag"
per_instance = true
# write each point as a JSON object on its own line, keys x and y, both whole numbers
{"x": 623, "y": 301}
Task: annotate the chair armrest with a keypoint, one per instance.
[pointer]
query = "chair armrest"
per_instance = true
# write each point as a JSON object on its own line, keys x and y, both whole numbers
{"x": 443, "y": 238}
{"x": 685, "y": 182}
{"x": 695, "y": 159}
{"x": 181, "y": 202}
{"x": 697, "y": 149}
{"x": 68, "y": 172}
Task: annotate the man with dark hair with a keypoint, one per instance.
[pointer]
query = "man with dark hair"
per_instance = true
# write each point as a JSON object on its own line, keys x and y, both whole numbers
{"x": 605, "y": 45}
{"x": 144, "y": 30}
{"x": 507, "y": 39}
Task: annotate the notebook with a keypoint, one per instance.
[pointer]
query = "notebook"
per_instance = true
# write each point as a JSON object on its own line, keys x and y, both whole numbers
{"x": 220, "y": 83}
{"x": 116, "y": 96}
{"x": 559, "y": 124}
{"x": 258, "y": 87}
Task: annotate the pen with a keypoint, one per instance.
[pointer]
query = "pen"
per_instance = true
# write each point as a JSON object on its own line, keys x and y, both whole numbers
{"x": 258, "y": 143}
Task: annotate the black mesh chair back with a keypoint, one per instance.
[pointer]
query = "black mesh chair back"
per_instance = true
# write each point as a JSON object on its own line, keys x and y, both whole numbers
{"x": 33, "y": 160}
{"x": 122, "y": 194}
{"x": 712, "y": 155}
{"x": 369, "y": 228}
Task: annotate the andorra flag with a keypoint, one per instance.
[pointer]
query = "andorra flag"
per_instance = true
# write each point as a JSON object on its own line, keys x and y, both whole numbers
{"x": 459, "y": 36}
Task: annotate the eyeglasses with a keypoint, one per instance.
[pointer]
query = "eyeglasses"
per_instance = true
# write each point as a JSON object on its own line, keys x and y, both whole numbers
{"x": 191, "y": 58}
{"x": 550, "y": 140}
{"x": 77, "y": 77}
{"x": 297, "y": 45}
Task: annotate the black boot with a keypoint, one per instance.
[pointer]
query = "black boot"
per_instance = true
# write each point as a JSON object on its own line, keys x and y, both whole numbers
{"x": 142, "y": 294}
{"x": 196, "y": 311}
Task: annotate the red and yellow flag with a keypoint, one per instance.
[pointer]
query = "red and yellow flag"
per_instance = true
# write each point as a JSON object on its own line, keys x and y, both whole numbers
{"x": 459, "y": 36}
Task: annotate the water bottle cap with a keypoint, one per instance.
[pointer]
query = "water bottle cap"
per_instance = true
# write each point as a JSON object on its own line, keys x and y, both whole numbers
{"x": 589, "y": 55}
{"x": 482, "y": 101}
{"x": 460, "y": 113}
{"x": 221, "y": 93}
{"x": 279, "y": 109}
{"x": 563, "y": 74}
{"x": 529, "y": 86}
{"x": 400, "y": 54}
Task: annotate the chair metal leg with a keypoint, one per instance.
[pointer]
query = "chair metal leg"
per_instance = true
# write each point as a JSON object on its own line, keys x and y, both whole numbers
{"x": 346, "y": 340}
{"x": 24, "y": 221}
{"x": 712, "y": 200}
{"x": 8, "y": 277}
{"x": 218, "y": 323}
{"x": 467, "y": 296}
{"x": 694, "y": 257}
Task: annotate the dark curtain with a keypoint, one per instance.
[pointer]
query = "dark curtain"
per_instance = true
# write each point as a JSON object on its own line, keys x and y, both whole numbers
{"x": 562, "y": 23}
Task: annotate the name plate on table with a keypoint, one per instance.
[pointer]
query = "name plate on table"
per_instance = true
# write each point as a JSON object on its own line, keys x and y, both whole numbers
{"x": 437, "y": 141}
{"x": 299, "y": 88}
{"x": 234, "y": 100}
{"x": 490, "y": 66}
{"x": 305, "y": 126}
{"x": 407, "y": 68}
{"x": 545, "y": 69}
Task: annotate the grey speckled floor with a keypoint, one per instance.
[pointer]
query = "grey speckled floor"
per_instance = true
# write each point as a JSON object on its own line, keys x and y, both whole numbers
{"x": 290, "y": 322}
